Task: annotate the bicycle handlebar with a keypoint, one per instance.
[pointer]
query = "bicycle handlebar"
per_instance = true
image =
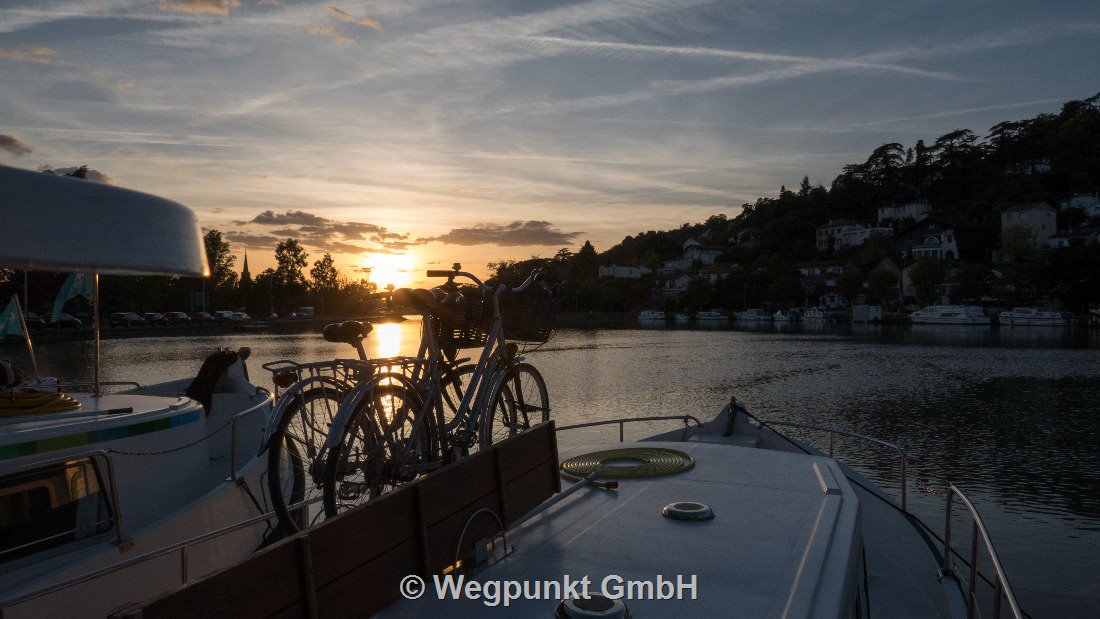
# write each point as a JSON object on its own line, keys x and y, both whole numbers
{"x": 450, "y": 275}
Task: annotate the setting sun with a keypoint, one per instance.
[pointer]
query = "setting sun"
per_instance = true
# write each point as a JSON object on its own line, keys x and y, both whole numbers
{"x": 396, "y": 269}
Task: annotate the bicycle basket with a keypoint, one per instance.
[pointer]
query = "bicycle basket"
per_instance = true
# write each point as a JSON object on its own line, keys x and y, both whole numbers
{"x": 467, "y": 324}
{"x": 530, "y": 315}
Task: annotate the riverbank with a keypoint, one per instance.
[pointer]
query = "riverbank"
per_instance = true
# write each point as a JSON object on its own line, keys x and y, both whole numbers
{"x": 278, "y": 327}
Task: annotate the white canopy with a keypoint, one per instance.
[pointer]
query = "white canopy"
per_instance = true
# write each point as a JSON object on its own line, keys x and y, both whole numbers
{"x": 58, "y": 223}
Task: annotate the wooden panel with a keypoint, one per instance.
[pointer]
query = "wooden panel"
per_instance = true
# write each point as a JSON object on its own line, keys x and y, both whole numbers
{"x": 271, "y": 579}
{"x": 371, "y": 586}
{"x": 359, "y": 558}
{"x": 351, "y": 539}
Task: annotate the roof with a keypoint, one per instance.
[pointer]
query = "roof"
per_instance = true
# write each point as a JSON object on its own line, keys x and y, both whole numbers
{"x": 1031, "y": 206}
{"x": 782, "y": 543}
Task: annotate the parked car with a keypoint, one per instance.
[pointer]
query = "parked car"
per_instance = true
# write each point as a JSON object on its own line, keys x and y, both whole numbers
{"x": 126, "y": 319}
{"x": 202, "y": 318}
{"x": 66, "y": 321}
{"x": 155, "y": 319}
{"x": 240, "y": 317}
{"x": 178, "y": 318}
{"x": 34, "y": 321}
{"x": 223, "y": 316}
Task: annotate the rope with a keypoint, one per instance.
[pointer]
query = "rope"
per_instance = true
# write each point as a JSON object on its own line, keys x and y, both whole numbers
{"x": 647, "y": 462}
{"x": 34, "y": 402}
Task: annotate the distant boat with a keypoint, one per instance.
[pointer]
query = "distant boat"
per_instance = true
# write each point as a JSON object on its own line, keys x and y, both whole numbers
{"x": 1035, "y": 317}
{"x": 651, "y": 315}
{"x": 950, "y": 315}
{"x": 714, "y": 315}
{"x": 680, "y": 317}
{"x": 753, "y": 315}
{"x": 813, "y": 314}
{"x": 783, "y": 316}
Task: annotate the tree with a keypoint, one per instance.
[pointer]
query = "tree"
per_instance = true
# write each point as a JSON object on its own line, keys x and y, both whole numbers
{"x": 927, "y": 275}
{"x": 883, "y": 282}
{"x": 972, "y": 280}
{"x": 586, "y": 264}
{"x": 850, "y": 283}
{"x": 290, "y": 259}
{"x": 324, "y": 274}
{"x": 220, "y": 260}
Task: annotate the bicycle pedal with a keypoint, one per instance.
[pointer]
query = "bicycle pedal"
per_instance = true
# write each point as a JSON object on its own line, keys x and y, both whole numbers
{"x": 464, "y": 438}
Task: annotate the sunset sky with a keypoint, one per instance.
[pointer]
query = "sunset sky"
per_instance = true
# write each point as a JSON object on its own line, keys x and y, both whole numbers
{"x": 411, "y": 134}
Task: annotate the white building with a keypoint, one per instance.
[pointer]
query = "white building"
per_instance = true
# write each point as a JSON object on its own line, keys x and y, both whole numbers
{"x": 846, "y": 233}
{"x": 1039, "y": 218}
{"x": 916, "y": 211}
{"x": 693, "y": 250}
{"x": 942, "y": 246}
{"x": 620, "y": 272}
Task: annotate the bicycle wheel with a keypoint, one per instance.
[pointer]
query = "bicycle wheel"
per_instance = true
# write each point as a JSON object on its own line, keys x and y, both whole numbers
{"x": 293, "y": 448}
{"x": 455, "y": 383}
{"x": 519, "y": 400}
{"x": 389, "y": 440}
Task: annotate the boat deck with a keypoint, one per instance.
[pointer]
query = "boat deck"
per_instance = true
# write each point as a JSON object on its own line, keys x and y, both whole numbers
{"x": 784, "y": 541}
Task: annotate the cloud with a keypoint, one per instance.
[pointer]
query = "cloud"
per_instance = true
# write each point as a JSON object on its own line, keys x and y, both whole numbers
{"x": 333, "y": 32}
{"x": 343, "y": 16}
{"x": 14, "y": 145}
{"x": 213, "y": 7}
{"x": 33, "y": 53}
{"x": 509, "y": 235}
{"x": 331, "y": 235}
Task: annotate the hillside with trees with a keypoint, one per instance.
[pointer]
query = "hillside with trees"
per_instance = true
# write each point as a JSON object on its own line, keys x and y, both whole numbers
{"x": 967, "y": 181}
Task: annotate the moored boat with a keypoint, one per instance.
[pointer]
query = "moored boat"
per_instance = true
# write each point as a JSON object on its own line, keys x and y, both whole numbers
{"x": 950, "y": 315}
{"x": 91, "y": 482}
{"x": 724, "y": 518}
{"x": 1036, "y": 317}
{"x": 753, "y": 315}
{"x": 714, "y": 315}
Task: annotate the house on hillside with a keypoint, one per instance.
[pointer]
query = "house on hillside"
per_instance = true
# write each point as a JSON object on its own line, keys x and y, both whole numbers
{"x": 718, "y": 270}
{"x": 845, "y": 233}
{"x": 748, "y": 238}
{"x": 917, "y": 211}
{"x": 945, "y": 239}
{"x": 623, "y": 272}
{"x": 672, "y": 283}
{"x": 819, "y": 282}
{"x": 694, "y": 251}
{"x": 1038, "y": 218}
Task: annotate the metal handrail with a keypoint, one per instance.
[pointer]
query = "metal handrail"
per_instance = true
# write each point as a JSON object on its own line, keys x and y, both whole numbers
{"x": 625, "y": 420}
{"x": 833, "y": 431}
{"x": 181, "y": 546}
{"x": 1003, "y": 588}
{"x": 268, "y": 399}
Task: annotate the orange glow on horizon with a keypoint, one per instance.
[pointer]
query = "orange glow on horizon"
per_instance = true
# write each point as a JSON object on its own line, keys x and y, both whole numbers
{"x": 396, "y": 269}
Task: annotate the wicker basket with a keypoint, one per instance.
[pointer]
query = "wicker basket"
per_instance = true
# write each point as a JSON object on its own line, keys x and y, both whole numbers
{"x": 468, "y": 323}
{"x": 529, "y": 316}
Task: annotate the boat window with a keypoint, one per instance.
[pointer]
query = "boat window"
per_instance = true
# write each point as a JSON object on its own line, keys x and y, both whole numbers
{"x": 51, "y": 506}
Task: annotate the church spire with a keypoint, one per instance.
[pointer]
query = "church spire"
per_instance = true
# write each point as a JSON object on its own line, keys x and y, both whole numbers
{"x": 246, "y": 277}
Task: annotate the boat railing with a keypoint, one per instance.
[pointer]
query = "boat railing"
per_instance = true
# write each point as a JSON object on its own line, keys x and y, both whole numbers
{"x": 979, "y": 531}
{"x": 267, "y": 400}
{"x": 686, "y": 419}
{"x": 832, "y": 432}
{"x": 182, "y": 547}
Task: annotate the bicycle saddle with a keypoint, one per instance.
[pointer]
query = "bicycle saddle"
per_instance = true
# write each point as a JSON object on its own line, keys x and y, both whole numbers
{"x": 349, "y": 332}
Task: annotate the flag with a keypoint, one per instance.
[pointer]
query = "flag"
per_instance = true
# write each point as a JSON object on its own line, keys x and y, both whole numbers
{"x": 9, "y": 320}
{"x": 76, "y": 285}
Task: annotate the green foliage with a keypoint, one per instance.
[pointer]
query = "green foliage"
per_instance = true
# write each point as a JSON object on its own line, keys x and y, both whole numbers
{"x": 324, "y": 274}
{"x": 291, "y": 258}
{"x": 221, "y": 261}
{"x": 927, "y": 275}
{"x": 883, "y": 282}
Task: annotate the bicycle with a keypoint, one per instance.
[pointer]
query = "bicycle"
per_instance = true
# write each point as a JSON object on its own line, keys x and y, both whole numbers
{"x": 304, "y": 414}
{"x": 393, "y": 430}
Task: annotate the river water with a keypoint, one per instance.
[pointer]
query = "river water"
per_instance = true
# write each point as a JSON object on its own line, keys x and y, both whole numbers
{"x": 1011, "y": 416}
